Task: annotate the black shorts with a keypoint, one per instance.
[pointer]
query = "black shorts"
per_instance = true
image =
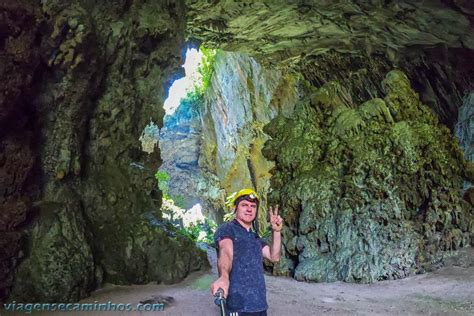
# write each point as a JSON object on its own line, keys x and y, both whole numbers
{"x": 262, "y": 313}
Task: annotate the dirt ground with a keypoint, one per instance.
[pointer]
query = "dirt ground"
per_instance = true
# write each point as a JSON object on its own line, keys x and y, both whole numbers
{"x": 447, "y": 291}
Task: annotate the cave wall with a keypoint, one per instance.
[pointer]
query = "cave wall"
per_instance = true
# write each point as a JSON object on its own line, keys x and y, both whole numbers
{"x": 369, "y": 191}
{"x": 242, "y": 97}
{"x": 355, "y": 42}
{"x": 339, "y": 55}
{"x": 442, "y": 76}
{"x": 284, "y": 32}
{"x": 212, "y": 144}
{"x": 368, "y": 176}
{"x": 19, "y": 61}
{"x": 465, "y": 135}
{"x": 86, "y": 78}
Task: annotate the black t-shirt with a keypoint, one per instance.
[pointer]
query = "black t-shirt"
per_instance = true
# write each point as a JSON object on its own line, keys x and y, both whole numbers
{"x": 247, "y": 292}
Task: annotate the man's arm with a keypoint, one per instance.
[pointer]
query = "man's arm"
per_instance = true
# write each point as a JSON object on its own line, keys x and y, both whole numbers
{"x": 224, "y": 266}
{"x": 273, "y": 253}
{"x": 226, "y": 255}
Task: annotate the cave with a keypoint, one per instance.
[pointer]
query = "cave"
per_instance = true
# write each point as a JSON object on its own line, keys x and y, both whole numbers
{"x": 355, "y": 116}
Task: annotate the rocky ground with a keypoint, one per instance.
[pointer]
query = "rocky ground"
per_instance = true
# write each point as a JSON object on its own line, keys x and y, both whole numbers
{"x": 447, "y": 291}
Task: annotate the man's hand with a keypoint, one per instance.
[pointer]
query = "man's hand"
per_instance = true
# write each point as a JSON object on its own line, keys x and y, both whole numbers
{"x": 275, "y": 220}
{"x": 222, "y": 283}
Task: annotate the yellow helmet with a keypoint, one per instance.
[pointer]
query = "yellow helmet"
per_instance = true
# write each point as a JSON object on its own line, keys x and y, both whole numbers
{"x": 231, "y": 199}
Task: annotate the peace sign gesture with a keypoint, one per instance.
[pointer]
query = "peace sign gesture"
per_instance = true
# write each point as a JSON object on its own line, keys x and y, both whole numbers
{"x": 275, "y": 220}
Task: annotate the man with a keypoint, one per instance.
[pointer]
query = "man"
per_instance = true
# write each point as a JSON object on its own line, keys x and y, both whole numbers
{"x": 241, "y": 253}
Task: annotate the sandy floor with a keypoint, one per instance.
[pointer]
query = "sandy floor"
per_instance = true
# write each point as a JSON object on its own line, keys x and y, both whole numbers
{"x": 448, "y": 291}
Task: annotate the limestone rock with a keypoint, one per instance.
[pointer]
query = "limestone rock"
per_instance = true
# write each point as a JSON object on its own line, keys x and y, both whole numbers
{"x": 61, "y": 268}
{"x": 370, "y": 192}
{"x": 285, "y": 31}
{"x": 180, "y": 141}
{"x": 241, "y": 99}
{"x": 465, "y": 134}
{"x": 72, "y": 181}
{"x": 20, "y": 61}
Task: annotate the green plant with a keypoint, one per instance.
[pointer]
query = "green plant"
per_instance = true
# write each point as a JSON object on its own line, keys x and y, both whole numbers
{"x": 193, "y": 96}
{"x": 229, "y": 216}
{"x": 206, "y": 68}
{"x": 191, "y": 232}
{"x": 210, "y": 228}
{"x": 179, "y": 201}
{"x": 173, "y": 211}
{"x": 163, "y": 183}
{"x": 202, "y": 231}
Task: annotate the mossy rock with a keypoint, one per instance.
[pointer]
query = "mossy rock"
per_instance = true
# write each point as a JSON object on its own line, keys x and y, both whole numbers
{"x": 369, "y": 192}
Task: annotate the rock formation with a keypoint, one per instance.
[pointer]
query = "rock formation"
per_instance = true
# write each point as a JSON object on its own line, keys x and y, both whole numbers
{"x": 180, "y": 142}
{"x": 431, "y": 40}
{"x": 370, "y": 191}
{"x": 236, "y": 106}
{"x": 343, "y": 52}
{"x": 85, "y": 79}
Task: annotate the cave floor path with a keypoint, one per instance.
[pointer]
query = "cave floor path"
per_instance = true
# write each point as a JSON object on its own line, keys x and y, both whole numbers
{"x": 447, "y": 291}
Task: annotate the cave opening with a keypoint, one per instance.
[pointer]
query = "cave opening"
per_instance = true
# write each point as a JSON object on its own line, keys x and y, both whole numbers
{"x": 179, "y": 141}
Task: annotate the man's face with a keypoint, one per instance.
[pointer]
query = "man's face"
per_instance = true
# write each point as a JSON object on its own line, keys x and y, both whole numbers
{"x": 246, "y": 211}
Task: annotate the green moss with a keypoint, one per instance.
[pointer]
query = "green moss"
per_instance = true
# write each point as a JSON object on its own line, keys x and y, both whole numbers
{"x": 60, "y": 267}
{"x": 372, "y": 190}
{"x": 153, "y": 18}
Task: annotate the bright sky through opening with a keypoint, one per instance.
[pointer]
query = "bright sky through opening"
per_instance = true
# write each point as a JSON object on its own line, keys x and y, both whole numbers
{"x": 182, "y": 86}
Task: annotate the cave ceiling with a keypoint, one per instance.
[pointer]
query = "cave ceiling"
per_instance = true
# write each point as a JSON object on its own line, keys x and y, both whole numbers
{"x": 285, "y": 31}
